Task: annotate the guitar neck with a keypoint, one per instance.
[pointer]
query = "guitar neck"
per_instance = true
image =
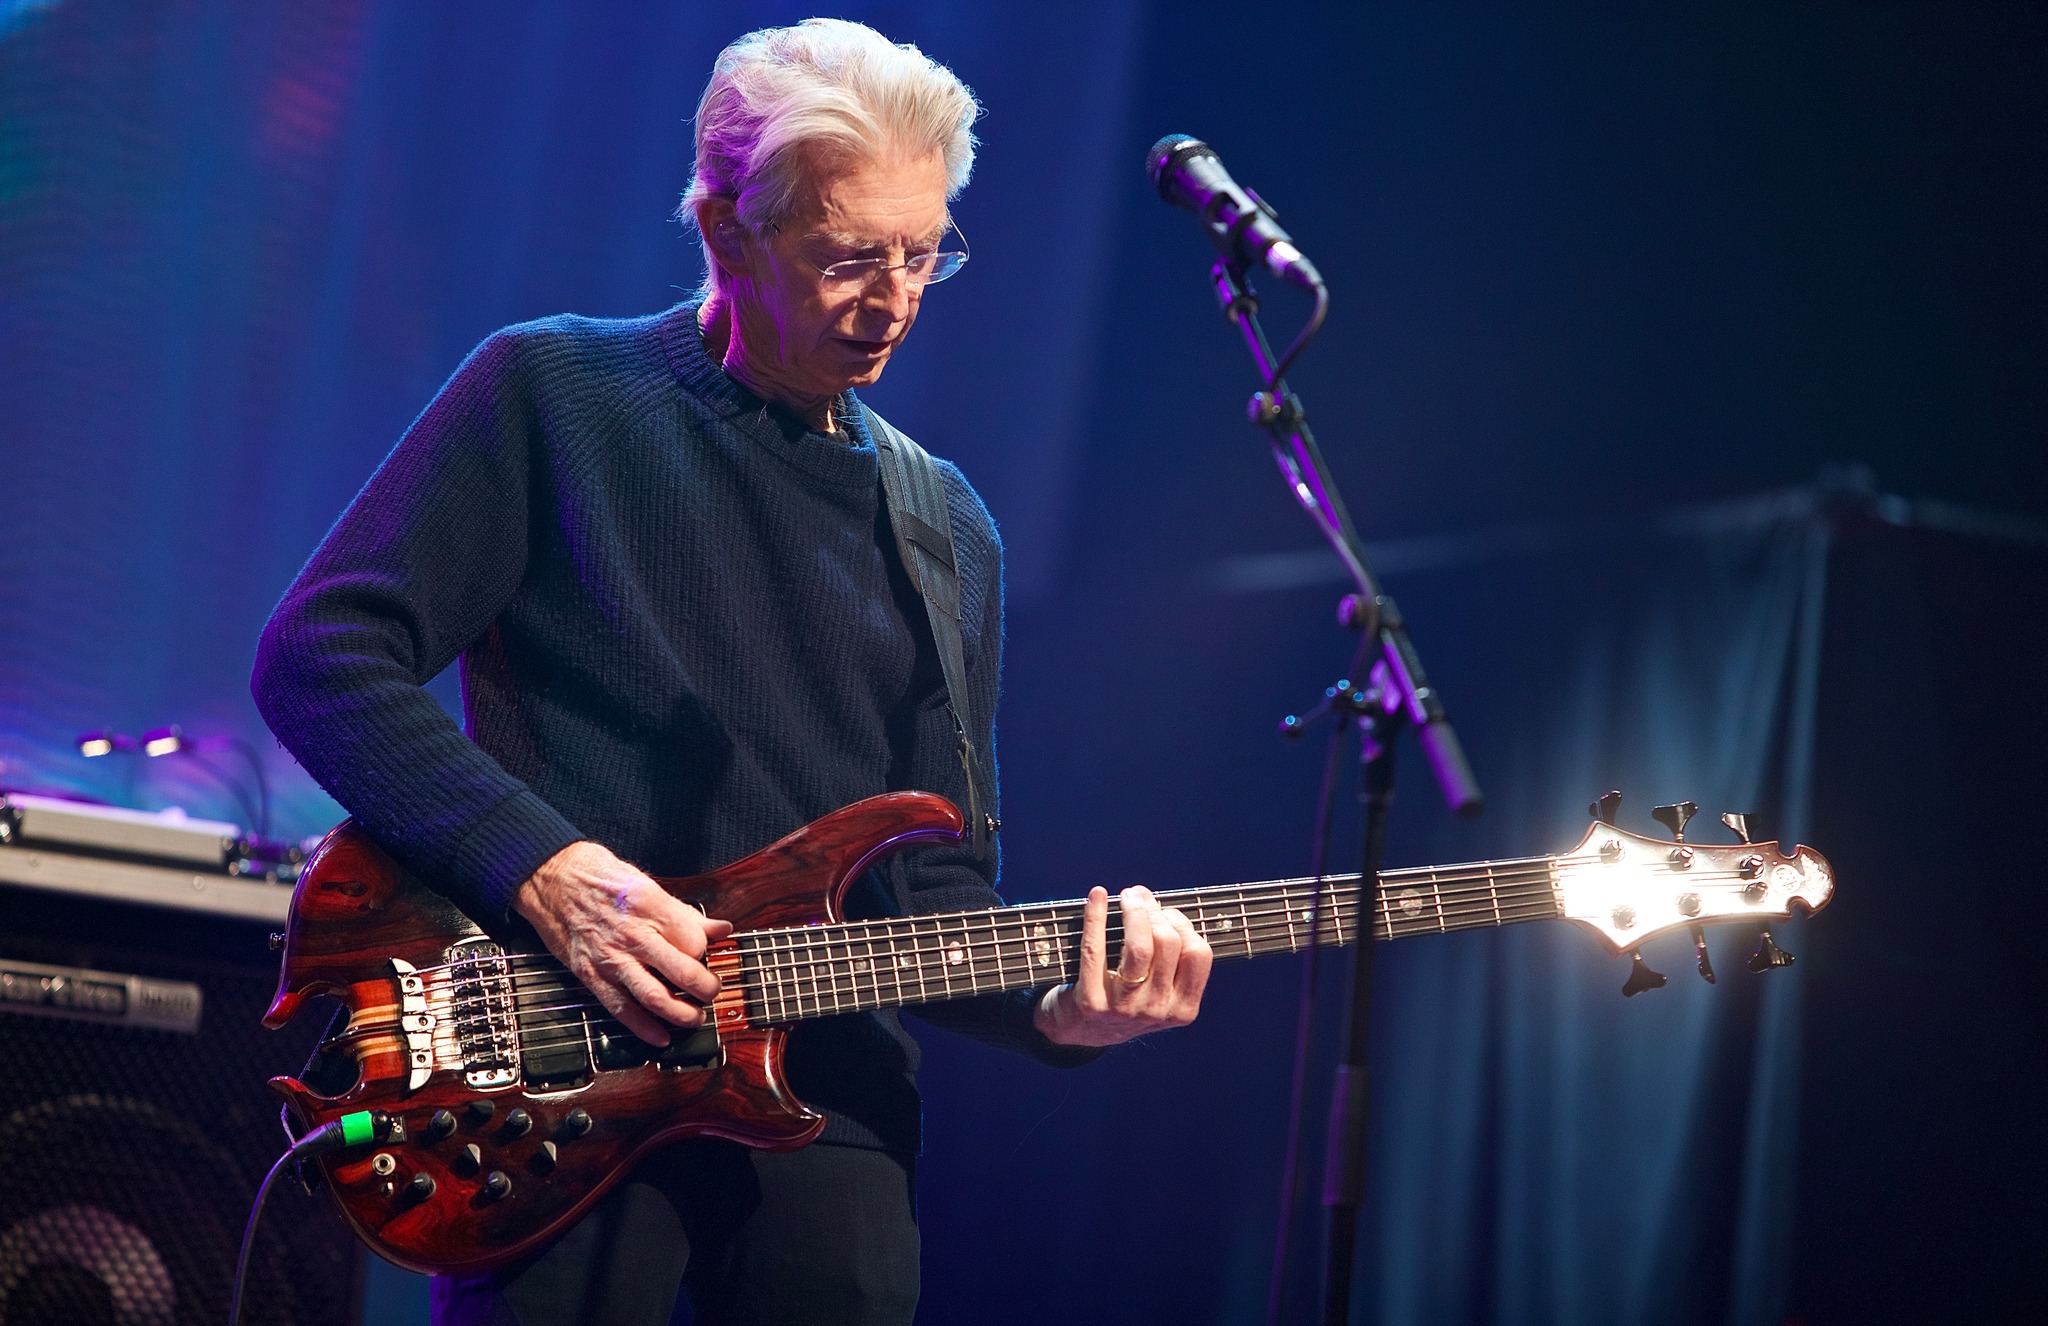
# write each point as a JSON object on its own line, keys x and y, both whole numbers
{"x": 845, "y": 967}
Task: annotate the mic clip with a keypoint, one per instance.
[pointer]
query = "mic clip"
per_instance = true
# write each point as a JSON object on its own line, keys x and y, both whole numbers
{"x": 1268, "y": 410}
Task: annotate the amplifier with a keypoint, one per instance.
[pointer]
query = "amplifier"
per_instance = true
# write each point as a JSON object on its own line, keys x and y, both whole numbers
{"x": 134, "y": 1119}
{"x": 154, "y": 835}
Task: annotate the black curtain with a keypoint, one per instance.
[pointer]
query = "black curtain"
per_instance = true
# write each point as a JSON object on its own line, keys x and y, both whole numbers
{"x": 1847, "y": 1140}
{"x": 1921, "y": 1163}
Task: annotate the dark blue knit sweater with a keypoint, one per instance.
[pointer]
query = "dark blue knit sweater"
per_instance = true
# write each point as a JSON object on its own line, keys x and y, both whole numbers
{"x": 684, "y": 631}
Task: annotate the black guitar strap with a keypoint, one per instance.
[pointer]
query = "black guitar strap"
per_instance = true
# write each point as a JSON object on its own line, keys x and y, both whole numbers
{"x": 916, "y": 497}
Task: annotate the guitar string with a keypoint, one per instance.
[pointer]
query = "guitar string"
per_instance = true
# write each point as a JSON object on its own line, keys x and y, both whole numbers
{"x": 1456, "y": 905}
{"x": 838, "y": 985}
{"x": 844, "y": 975}
{"x": 841, "y": 984}
{"x": 831, "y": 963}
{"x": 834, "y": 968}
{"x": 774, "y": 1010}
{"x": 1026, "y": 913}
{"x": 967, "y": 936}
{"x": 1474, "y": 897}
{"x": 771, "y": 1010}
{"x": 961, "y": 929}
{"x": 831, "y": 977}
{"x": 1452, "y": 883}
{"x": 850, "y": 980}
{"x": 965, "y": 933}
{"x": 1454, "y": 876}
{"x": 1273, "y": 938}
{"x": 845, "y": 994}
{"x": 852, "y": 988}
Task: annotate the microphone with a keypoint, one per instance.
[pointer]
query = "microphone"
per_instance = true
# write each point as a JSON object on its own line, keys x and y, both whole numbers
{"x": 1188, "y": 173}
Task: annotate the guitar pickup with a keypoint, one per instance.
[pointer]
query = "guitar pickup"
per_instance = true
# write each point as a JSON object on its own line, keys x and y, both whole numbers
{"x": 691, "y": 1052}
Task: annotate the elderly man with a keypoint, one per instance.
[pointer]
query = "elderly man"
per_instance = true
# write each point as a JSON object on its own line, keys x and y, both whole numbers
{"x": 661, "y": 551}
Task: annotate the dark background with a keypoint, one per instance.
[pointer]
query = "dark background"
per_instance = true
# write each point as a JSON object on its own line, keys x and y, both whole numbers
{"x": 1593, "y": 265}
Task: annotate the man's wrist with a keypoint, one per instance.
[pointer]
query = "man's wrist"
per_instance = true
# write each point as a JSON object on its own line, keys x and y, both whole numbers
{"x": 527, "y": 898}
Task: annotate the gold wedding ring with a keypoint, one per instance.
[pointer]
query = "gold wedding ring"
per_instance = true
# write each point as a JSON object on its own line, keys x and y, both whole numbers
{"x": 1128, "y": 981}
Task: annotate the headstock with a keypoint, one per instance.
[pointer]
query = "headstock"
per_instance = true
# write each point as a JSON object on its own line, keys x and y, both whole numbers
{"x": 1630, "y": 888}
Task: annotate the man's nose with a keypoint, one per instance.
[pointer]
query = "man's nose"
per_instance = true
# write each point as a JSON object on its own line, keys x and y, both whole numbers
{"x": 892, "y": 290}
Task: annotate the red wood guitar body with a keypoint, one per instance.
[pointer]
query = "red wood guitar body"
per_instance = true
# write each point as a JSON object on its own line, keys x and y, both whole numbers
{"x": 497, "y": 1186}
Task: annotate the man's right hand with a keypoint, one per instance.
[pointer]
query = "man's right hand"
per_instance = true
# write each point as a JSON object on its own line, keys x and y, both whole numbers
{"x": 624, "y": 937}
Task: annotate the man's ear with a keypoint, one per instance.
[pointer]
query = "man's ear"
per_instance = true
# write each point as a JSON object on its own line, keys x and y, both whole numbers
{"x": 718, "y": 221}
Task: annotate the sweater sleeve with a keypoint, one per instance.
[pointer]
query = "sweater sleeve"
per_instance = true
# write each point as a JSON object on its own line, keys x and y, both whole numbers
{"x": 950, "y": 878}
{"x": 413, "y": 572}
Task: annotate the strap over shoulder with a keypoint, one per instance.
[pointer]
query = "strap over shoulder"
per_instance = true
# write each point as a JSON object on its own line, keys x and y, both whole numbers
{"x": 915, "y": 492}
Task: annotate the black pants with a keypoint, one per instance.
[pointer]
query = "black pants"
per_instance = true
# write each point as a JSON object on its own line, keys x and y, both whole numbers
{"x": 827, "y": 1234}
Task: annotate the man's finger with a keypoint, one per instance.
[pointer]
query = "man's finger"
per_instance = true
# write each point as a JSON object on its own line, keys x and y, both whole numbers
{"x": 629, "y": 1014}
{"x": 1094, "y": 932}
{"x": 685, "y": 926}
{"x": 716, "y": 928}
{"x": 1192, "y": 976}
{"x": 655, "y": 947}
{"x": 1134, "y": 966}
{"x": 690, "y": 977}
{"x": 1166, "y": 940}
{"x": 654, "y": 997}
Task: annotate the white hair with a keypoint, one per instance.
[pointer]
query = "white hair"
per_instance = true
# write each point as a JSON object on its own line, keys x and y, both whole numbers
{"x": 825, "y": 93}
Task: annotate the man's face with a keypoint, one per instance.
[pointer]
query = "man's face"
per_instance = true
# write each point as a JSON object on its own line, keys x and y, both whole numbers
{"x": 825, "y": 336}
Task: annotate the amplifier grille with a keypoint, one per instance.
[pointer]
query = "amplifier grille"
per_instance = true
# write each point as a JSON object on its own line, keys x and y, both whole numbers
{"x": 129, "y": 1155}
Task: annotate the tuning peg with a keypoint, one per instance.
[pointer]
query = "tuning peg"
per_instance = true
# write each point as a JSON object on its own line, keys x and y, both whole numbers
{"x": 1674, "y": 817}
{"x": 1743, "y": 825}
{"x": 1641, "y": 976}
{"x": 1768, "y": 954}
{"x": 1699, "y": 948}
{"x": 1603, "y": 809}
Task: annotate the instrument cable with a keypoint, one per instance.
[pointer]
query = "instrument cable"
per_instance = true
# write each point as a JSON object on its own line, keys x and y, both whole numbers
{"x": 1290, "y": 1165}
{"x": 349, "y": 1130}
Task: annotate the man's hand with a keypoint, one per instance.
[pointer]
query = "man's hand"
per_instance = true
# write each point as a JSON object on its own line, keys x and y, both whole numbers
{"x": 621, "y": 934}
{"x": 1157, "y": 982}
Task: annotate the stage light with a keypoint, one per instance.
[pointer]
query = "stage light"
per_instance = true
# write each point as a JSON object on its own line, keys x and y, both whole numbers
{"x": 171, "y": 740}
{"x": 163, "y": 741}
{"x": 103, "y": 742}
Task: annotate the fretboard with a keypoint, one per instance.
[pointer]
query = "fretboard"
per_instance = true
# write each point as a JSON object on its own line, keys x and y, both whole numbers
{"x": 845, "y": 967}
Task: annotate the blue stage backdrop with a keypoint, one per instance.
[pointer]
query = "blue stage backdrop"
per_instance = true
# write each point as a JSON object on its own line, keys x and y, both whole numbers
{"x": 1599, "y": 277}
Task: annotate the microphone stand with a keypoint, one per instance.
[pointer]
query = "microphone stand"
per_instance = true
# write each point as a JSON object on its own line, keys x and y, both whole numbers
{"x": 1397, "y": 696}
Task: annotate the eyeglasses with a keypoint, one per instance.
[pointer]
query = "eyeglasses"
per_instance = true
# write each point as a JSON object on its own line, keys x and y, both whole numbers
{"x": 920, "y": 269}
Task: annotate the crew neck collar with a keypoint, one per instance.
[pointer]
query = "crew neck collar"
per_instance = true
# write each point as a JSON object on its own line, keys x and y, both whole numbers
{"x": 848, "y": 456}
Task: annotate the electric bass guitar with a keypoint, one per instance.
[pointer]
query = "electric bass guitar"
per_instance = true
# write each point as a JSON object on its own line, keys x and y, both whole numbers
{"x": 507, "y": 1101}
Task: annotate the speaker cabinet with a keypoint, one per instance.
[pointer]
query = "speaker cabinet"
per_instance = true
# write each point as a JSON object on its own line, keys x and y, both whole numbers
{"x": 130, "y": 1149}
